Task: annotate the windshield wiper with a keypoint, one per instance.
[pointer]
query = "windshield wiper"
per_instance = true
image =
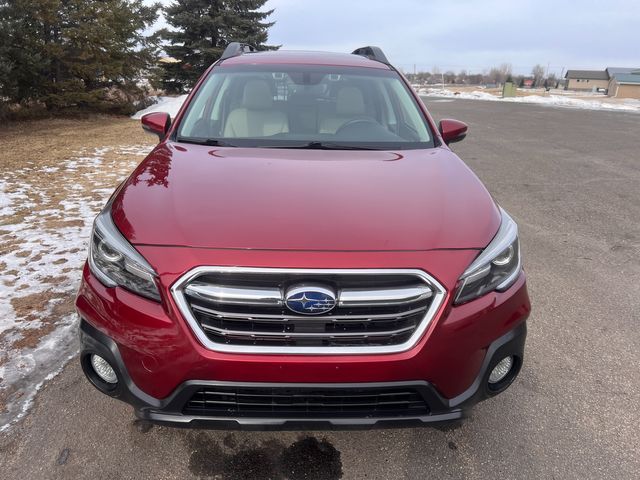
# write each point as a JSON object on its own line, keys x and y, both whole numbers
{"x": 212, "y": 142}
{"x": 313, "y": 145}
{"x": 316, "y": 145}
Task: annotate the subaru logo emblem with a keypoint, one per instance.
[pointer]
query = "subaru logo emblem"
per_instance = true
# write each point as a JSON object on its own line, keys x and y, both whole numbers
{"x": 310, "y": 299}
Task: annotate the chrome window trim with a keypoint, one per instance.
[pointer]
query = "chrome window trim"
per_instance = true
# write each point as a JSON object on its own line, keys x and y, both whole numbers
{"x": 439, "y": 294}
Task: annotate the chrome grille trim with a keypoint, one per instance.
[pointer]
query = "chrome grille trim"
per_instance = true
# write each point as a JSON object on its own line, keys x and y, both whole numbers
{"x": 273, "y": 335}
{"x": 235, "y": 296}
{"x": 265, "y": 317}
{"x": 377, "y": 298}
{"x": 436, "y": 293}
{"x": 273, "y": 296}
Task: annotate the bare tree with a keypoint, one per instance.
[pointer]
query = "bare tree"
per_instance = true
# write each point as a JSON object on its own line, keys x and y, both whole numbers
{"x": 449, "y": 77}
{"x": 494, "y": 75}
{"x": 538, "y": 75}
{"x": 505, "y": 71}
{"x": 500, "y": 74}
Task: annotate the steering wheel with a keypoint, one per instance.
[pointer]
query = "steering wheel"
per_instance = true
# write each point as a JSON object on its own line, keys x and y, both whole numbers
{"x": 357, "y": 121}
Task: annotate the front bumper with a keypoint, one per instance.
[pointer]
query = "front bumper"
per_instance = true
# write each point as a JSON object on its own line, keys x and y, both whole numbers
{"x": 170, "y": 410}
{"x": 160, "y": 361}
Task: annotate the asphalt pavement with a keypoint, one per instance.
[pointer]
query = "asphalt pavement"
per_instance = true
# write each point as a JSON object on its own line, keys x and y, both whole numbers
{"x": 571, "y": 178}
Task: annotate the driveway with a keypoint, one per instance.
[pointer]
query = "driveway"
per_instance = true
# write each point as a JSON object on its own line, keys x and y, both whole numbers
{"x": 572, "y": 180}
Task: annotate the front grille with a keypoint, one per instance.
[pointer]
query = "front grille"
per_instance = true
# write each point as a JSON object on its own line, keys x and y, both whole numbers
{"x": 244, "y": 310}
{"x": 279, "y": 402}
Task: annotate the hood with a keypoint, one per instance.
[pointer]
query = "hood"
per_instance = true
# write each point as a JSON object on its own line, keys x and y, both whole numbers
{"x": 288, "y": 199}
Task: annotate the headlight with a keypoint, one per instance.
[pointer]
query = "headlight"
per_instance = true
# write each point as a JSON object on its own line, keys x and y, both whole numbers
{"x": 115, "y": 262}
{"x": 496, "y": 268}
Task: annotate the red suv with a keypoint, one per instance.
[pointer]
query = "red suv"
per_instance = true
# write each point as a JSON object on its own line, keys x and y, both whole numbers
{"x": 302, "y": 248}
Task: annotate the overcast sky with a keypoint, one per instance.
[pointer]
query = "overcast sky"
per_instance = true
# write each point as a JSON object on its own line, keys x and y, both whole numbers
{"x": 467, "y": 34}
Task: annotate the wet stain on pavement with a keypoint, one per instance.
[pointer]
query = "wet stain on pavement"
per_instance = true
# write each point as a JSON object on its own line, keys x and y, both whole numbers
{"x": 448, "y": 426}
{"x": 207, "y": 460}
{"x": 230, "y": 441}
{"x": 306, "y": 459}
{"x": 258, "y": 462}
{"x": 63, "y": 457}
{"x": 311, "y": 459}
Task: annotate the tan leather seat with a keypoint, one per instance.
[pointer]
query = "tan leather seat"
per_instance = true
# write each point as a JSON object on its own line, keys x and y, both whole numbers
{"x": 349, "y": 105}
{"x": 256, "y": 117}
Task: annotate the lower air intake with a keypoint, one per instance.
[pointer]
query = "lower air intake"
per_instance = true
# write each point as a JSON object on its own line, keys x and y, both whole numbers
{"x": 267, "y": 402}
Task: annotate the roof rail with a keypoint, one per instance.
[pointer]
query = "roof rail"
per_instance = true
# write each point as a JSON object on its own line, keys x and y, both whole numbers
{"x": 372, "y": 53}
{"x": 236, "y": 48}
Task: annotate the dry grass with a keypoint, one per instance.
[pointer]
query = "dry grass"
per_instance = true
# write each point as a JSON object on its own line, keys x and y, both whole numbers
{"x": 51, "y": 140}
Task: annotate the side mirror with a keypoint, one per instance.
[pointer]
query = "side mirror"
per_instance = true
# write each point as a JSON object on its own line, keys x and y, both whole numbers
{"x": 157, "y": 123}
{"x": 452, "y": 130}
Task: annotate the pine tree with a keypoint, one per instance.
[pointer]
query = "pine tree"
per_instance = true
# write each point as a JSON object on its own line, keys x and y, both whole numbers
{"x": 104, "y": 52}
{"x": 74, "y": 53}
{"x": 22, "y": 66}
{"x": 201, "y": 31}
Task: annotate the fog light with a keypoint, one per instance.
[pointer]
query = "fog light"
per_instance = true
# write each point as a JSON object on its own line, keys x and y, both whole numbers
{"x": 103, "y": 369}
{"x": 501, "y": 370}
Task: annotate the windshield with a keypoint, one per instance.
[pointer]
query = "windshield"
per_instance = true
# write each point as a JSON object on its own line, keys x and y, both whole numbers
{"x": 304, "y": 106}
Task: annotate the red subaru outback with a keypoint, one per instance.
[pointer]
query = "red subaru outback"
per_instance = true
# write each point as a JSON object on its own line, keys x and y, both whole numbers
{"x": 302, "y": 248}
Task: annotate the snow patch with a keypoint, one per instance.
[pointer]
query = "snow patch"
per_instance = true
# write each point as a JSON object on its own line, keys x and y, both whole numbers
{"x": 551, "y": 100}
{"x": 46, "y": 213}
{"x": 170, "y": 105}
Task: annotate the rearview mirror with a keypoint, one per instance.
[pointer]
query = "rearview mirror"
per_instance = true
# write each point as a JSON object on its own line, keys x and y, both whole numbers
{"x": 452, "y": 130}
{"x": 157, "y": 123}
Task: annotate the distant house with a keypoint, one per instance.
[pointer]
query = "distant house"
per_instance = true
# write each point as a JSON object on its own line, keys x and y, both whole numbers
{"x": 611, "y": 71}
{"x": 587, "y": 80}
{"x": 623, "y": 82}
